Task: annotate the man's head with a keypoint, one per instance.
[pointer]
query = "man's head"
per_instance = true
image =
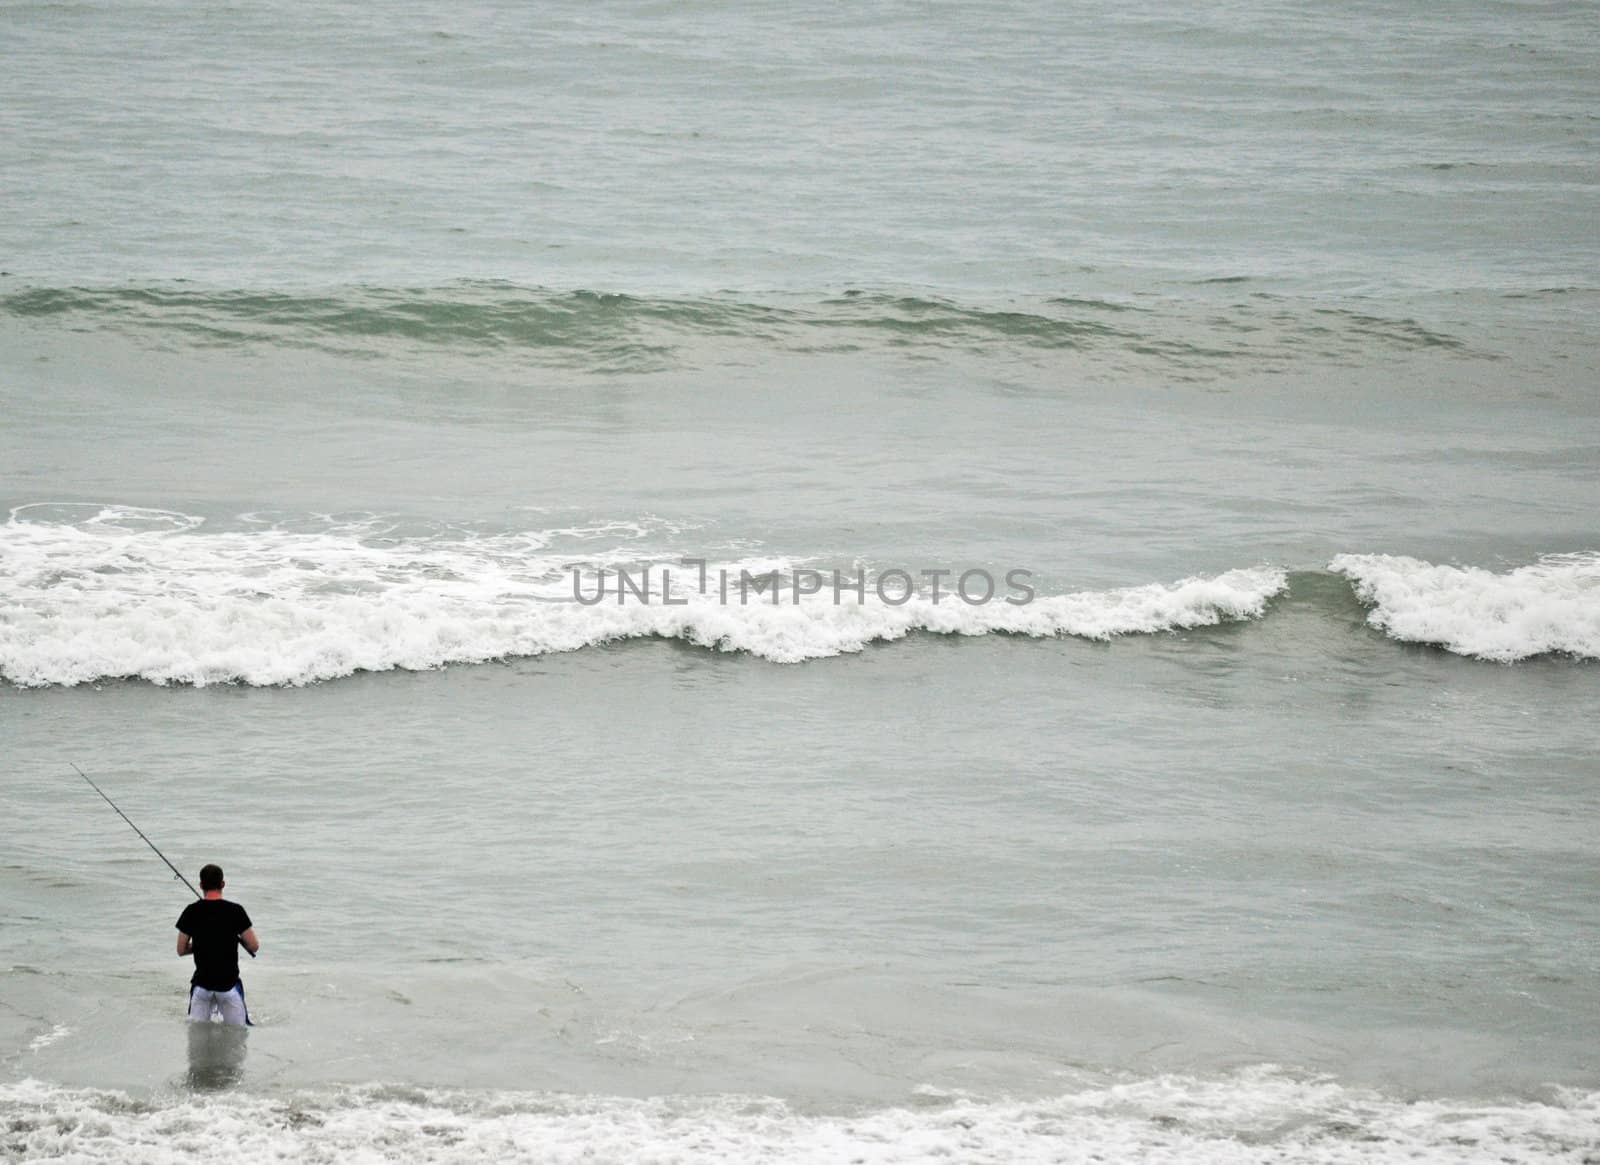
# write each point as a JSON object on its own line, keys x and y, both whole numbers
{"x": 210, "y": 877}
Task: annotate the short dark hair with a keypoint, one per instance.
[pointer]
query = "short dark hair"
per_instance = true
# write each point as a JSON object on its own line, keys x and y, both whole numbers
{"x": 210, "y": 877}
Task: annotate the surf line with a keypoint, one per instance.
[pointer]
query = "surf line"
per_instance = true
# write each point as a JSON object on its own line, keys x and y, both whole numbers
{"x": 175, "y": 872}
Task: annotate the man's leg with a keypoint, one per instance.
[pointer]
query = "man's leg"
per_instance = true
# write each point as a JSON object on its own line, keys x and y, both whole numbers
{"x": 231, "y": 1004}
{"x": 201, "y": 1002}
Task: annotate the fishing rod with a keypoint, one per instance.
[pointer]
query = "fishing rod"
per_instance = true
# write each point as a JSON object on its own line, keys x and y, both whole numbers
{"x": 175, "y": 871}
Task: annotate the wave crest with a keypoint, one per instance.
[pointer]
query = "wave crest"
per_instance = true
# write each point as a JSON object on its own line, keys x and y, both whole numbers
{"x": 1550, "y": 607}
{"x": 139, "y": 594}
{"x": 610, "y": 333}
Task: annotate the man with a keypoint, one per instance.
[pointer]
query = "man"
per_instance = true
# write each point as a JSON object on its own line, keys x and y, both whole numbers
{"x": 211, "y": 929}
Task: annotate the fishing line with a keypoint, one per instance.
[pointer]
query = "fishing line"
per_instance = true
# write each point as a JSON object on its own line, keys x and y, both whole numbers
{"x": 175, "y": 872}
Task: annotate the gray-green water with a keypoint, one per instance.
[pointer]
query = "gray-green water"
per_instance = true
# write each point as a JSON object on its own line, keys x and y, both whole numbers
{"x": 334, "y": 343}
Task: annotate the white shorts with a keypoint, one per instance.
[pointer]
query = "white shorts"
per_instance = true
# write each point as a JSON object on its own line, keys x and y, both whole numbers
{"x": 229, "y": 1004}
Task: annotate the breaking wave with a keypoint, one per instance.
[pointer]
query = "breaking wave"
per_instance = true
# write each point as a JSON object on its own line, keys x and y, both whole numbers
{"x": 128, "y": 593}
{"x": 93, "y": 593}
{"x": 1550, "y": 607}
{"x": 1257, "y": 1115}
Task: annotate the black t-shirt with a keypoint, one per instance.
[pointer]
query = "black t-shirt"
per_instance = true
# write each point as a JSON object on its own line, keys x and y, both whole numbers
{"x": 215, "y": 925}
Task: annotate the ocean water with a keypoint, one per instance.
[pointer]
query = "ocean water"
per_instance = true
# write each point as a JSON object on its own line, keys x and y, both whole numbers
{"x": 847, "y": 583}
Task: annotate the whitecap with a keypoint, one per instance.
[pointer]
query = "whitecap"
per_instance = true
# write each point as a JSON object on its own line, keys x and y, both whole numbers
{"x": 1550, "y": 606}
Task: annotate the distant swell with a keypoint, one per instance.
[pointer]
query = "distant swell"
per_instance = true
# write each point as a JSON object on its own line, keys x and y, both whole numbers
{"x": 609, "y": 332}
{"x": 1254, "y": 1116}
{"x": 1552, "y": 606}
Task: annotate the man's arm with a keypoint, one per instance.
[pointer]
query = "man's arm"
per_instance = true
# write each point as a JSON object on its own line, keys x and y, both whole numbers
{"x": 185, "y": 945}
{"x": 250, "y": 941}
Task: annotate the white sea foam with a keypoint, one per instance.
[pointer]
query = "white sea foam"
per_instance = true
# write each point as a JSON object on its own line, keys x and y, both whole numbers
{"x": 45, "y": 1039}
{"x": 1259, "y": 1115}
{"x": 1551, "y": 606}
{"x": 125, "y": 593}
